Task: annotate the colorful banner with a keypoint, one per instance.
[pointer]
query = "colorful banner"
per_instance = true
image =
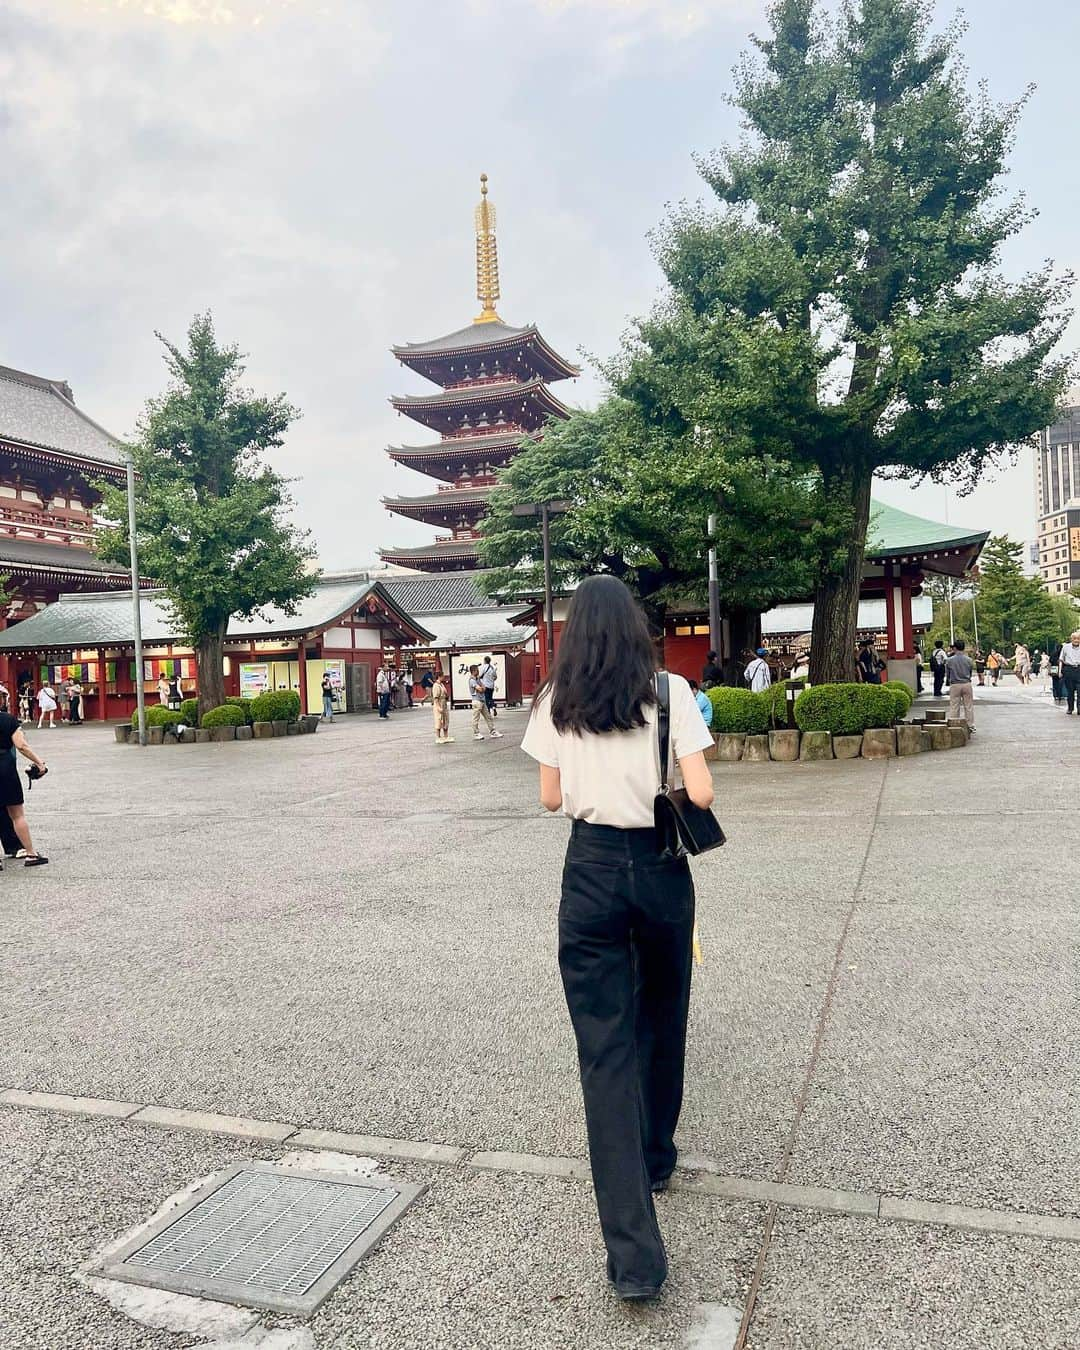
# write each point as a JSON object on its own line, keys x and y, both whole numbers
{"x": 254, "y": 679}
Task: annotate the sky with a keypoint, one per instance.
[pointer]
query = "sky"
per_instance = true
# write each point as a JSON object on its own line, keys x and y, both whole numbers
{"x": 307, "y": 170}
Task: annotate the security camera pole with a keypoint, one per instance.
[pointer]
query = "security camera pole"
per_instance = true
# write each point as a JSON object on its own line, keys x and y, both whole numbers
{"x": 136, "y": 612}
{"x": 545, "y": 510}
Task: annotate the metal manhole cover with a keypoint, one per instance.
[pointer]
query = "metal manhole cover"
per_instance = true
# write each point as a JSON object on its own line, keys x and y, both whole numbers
{"x": 264, "y": 1236}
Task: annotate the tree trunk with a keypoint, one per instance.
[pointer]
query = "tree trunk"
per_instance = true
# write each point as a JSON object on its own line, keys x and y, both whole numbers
{"x": 744, "y": 626}
{"x": 209, "y": 663}
{"x": 836, "y": 601}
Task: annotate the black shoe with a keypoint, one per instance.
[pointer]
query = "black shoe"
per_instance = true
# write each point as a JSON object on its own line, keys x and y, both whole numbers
{"x": 660, "y": 1185}
{"x": 631, "y": 1293}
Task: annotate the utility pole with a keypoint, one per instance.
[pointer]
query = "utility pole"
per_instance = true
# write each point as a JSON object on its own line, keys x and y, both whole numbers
{"x": 136, "y": 611}
{"x": 716, "y": 635}
{"x": 545, "y": 510}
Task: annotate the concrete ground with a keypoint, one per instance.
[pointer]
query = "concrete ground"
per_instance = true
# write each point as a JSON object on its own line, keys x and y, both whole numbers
{"x": 354, "y": 932}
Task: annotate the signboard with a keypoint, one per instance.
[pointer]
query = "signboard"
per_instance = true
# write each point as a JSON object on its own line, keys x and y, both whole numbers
{"x": 254, "y": 679}
{"x": 459, "y": 674}
{"x": 1074, "y": 543}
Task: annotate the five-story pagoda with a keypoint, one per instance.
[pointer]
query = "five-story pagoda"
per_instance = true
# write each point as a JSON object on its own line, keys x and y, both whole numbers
{"x": 494, "y": 392}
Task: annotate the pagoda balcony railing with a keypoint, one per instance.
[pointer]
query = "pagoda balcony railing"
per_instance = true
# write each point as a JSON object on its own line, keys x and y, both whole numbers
{"x": 494, "y": 429}
{"x": 478, "y": 380}
{"x": 14, "y": 518}
{"x": 488, "y": 480}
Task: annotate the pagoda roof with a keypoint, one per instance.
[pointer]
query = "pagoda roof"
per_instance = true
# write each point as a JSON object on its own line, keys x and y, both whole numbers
{"x": 449, "y": 497}
{"x": 26, "y": 555}
{"x": 425, "y": 593}
{"x": 40, "y": 414}
{"x": 438, "y": 551}
{"x": 426, "y": 406}
{"x": 459, "y": 445}
{"x": 483, "y": 337}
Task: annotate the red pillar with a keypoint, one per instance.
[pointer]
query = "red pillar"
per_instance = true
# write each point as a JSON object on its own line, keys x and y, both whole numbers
{"x": 102, "y": 696}
{"x": 908, "y": 633}
{"x": 303, "y": 676}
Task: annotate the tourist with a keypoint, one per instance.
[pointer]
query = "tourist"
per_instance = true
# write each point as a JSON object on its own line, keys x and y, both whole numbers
{"x": 26, "y": 703}
{"x": 703, "y": 701}
{"x": 711, "y": 674}
{"x": 163, "y": 690}
{"x": 47, "y": 704}
{"x": 868, "y": 663}
{"x": 961, "y": 698}
{"x": 5, "y": 697}
{"x": 384, "y": 689}
{"x": 937, "y": 666}
{"x": 478, "y": 695}
{"x": 1022, "y": 663}
{"x": 75, "y": 693}
{"x": 627, "y": 914}
{"x": 175, "y": 697}
{"x": 801, "y": 669}
{"x": 327, "y": 697}
{"x": 1054, "y": 650}
{"x": 995, "y": 663}
{"x": 757, "y": 674}
{"x": 427, "y": 684}
{"x": 1070, "y": 673}
{"x": 489, "y": 678}
{"x": 1044, "y": 671}
{"x": 12, "y": 739}
{"x": 440, "y": 703}
{"x": 980, "y": 665}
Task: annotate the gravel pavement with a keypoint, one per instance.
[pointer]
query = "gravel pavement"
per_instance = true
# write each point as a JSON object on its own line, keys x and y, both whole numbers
{"x": 355, "y": 932}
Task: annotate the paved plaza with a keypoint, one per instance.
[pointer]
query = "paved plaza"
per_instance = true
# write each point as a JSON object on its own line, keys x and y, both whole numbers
{"x": 355, "y": 933}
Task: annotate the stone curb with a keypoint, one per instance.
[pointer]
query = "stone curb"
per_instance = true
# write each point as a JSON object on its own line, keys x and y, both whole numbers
{"x": 209, "y": 1122}
{"x": 366, "y": 1144}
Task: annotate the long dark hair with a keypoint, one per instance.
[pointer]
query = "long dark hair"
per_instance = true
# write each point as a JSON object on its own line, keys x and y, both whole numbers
{"x": 603, "y": 675}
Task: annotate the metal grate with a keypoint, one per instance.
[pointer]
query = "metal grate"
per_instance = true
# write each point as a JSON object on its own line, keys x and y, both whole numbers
{"x": 265, "y": 1236}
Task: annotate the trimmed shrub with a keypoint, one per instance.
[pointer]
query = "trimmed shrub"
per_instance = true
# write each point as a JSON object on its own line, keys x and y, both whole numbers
{"x": 189, "y": 712}
{"x": 846, "y": 709}
{"x": 244, "y": 704}
{"x": 276, "y": 705}
{"x": 226, "y": 716}
{"x": 738, "y": 710}
{"x": 775, "y": 698}
{"x": 158, "y": 716}
{"x": 904, "y": 697}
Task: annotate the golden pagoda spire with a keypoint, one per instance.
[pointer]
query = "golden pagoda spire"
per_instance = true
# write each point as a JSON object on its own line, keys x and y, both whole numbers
{"x": 487, "y": 258}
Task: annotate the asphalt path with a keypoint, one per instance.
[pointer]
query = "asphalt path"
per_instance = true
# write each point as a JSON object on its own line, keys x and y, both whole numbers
{"x": 355, "y": 932}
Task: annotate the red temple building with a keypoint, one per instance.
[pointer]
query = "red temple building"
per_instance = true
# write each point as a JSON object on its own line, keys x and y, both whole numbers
{"x": 493, "y": 393}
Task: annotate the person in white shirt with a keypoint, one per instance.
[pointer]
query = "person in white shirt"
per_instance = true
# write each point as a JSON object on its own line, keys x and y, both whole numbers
{"x": 384, "y": 689}
{"x": 627, "y": 914}
{"x": 1069, "y": 665}
{"x": 478, "y": 695}
{"x": 47, "y": 704}
{"x": 757, "y": 674}
{"x": 489, "y": 677}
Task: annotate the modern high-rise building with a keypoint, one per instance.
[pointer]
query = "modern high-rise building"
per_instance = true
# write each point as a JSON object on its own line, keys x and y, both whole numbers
{"x": 1057, "y": 498}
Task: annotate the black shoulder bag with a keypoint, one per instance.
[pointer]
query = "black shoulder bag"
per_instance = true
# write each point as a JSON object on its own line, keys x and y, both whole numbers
{"x": 681, "y": 827}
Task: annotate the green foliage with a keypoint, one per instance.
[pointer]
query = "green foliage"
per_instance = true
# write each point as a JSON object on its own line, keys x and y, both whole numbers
{"x": 1013, "y": 607}
{"x": 227, "y": 715}
{"x": 847, "y": 709}
{"x": 738, "y": 710}
{"x": 189, "y": 712}
{"x": 775, "y": 699}
{"x": 212, "y": 526}
{"x": 846, "y": 285}
{"x": 903, "y": 696}
{"x": 244, "y": 704}
{"x": 158, "y": 716}
{"x": 276, "y": 705}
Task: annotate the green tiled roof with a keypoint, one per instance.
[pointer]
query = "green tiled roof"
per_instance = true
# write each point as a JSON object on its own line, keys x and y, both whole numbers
{"x": 895, "y": 533}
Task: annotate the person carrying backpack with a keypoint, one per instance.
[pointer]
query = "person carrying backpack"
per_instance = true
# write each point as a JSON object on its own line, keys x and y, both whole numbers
{"x": 938, "y": 659}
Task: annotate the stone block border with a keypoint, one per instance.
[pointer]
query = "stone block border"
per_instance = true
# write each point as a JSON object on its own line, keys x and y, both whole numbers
{"x": 789, "y": 747}
{"x": 307, "y": 725}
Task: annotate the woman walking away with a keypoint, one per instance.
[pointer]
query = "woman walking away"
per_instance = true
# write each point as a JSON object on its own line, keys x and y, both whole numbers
{"x": 627, "y": 914}
{"x": 46, "y": 701}
{"x": 440, "y": 703}
{"x": 11, "y": 793}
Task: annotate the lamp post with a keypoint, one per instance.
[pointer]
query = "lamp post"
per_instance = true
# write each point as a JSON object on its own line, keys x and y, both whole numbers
{"x": 545, "y": 510}
{"x": 716, "y": 636}
{"x": 136, "y": 612}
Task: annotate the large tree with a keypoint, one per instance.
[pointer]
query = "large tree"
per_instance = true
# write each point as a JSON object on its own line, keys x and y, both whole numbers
{"x": 210, "y": 515}
{"x": 1013, "y": 607}
{"x": 851, "y": 274}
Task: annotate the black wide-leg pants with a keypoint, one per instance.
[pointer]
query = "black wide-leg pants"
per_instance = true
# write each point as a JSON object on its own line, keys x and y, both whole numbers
{"x": 626, "y": 925}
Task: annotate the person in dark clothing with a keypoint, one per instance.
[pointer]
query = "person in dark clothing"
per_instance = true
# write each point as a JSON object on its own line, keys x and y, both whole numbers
{"x": 869, "y": 666}
{"x": 1053, "y": 650}
{"x": 12, "y": 740}
{"x": 938, "y": 659}
{"x": 711, "y": 673}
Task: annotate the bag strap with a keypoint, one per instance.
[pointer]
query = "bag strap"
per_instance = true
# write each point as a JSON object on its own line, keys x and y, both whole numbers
{"x": 663, "y": 725}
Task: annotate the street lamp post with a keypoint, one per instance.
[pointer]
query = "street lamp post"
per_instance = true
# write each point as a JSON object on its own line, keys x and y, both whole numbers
{"x": 716, "y": 636}
{"x": 545, "y": 510}
{"x": 140, "y": 696}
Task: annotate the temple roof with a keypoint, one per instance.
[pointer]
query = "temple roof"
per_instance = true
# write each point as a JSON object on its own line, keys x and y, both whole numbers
{"x": 474, "y": 630}
{"x": 451, "y": 497}
{"x": 437, "y": 593}
{"x": 22, "y": 555}
{"x": 481, "y": 393}
{"x": 459, "y": 445}
{"x": 438, "y": 551}
{"x": 895, "y": 534}
{"x": 483, "y": 337}
{"x": 108, "y": 620}
{"x": 39, "y": 412}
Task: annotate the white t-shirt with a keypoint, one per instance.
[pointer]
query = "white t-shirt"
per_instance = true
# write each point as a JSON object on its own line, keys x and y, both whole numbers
{"x": 611, "y": 778}
{"x": 758, "y": 674}
{"x": 1070, "y": 655}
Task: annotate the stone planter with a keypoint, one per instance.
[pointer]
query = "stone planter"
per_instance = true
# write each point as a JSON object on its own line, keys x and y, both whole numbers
{"x": 958, "y": 736}
{"x": 927, "y": 744}
{"x": 155, "y": 735}
{"x": 202, "y": 735}
{"x": 879, "y": 743}
{"x": 293, "y": 729}
{"x": 784, "y": 746}
{"x": 243, "y": 733}
{"x": 847, "y": 747}
{"x": 816, "y": 745}
{"x": 960, "y": 722}
{"x": 937, "y": 716}
{"x": 280, "y": 728}
{"x": 729, "y": 746}
{"x": 756, "y": 750}
{"x": 263, "y": 730}
{"x": 309, "y": 724}
{"x": 711, "y": 753}
{"x": 940, "y": 737}
{"x": 223, "y": 733}
{"x": 123, "y": 735}
{"x": 909, "y": 740}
